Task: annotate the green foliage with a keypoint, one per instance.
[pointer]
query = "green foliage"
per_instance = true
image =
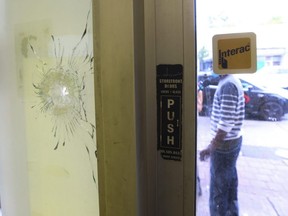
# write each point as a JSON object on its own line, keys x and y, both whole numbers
{"x": 203, "y": 53}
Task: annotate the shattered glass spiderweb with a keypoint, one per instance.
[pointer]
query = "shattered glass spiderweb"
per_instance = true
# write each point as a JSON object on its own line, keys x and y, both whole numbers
{"x": 61, "y": 92}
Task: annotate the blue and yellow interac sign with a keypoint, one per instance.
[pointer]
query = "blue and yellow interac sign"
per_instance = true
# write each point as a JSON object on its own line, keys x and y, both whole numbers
{"x": 234, "y": 53}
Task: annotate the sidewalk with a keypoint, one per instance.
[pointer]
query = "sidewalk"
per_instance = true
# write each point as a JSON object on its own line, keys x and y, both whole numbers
{"x": 263, "y": 188}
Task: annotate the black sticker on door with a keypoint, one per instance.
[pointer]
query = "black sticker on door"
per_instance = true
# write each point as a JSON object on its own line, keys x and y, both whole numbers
{"x": 169, "y": 110}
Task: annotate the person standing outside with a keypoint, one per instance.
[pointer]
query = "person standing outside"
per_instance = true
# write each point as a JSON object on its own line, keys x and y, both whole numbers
{"x": 227, "y": 118}
{"x": 199, "y": 109}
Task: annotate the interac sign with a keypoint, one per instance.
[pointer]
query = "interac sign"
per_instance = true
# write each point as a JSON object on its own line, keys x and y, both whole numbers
{"x": 234, "y": 53}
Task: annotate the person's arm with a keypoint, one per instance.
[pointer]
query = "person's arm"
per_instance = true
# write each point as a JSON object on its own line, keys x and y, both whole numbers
{"x": 229, "y": 96}
{"x": 219, "y": 137}
{"x": 215, "y": 142}
{"x": 199, "y": 100}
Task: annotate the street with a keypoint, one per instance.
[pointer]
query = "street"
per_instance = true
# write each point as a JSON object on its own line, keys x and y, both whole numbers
{"x": 266, "y": 136}
{"x": 262, "y": 168}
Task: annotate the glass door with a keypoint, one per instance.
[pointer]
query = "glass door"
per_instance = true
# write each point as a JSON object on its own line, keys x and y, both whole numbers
{"x": 252, "y": 180}
{"x": 50, "y": 83}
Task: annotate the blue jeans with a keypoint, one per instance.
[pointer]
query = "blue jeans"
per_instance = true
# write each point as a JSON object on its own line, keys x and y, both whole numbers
{"x": 223, "y": 199}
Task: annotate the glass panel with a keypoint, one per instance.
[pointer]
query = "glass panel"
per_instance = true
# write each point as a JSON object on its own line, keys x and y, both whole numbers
{"x": 262, "y": 163}
{"x": 51, "y": 45}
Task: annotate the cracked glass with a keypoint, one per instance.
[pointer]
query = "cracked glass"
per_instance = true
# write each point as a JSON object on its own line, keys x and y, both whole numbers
{"x": 55, "y": 82}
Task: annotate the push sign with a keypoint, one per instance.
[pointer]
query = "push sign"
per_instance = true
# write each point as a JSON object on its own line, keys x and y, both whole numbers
{"x": 169, "y": 110}
{"x": 234, "y": 53}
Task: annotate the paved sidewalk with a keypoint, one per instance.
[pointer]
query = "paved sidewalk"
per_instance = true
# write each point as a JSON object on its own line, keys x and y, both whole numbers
{"x": 263, "y": 176}
{"x": 263, "y": 188}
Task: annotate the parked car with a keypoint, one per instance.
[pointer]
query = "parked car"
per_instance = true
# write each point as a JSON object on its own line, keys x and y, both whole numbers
{"x": 261, "y": 102}
{"x": 272, "y": 76}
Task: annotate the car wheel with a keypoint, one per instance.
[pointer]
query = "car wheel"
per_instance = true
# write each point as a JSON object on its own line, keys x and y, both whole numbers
{"x": 271, "y": 111}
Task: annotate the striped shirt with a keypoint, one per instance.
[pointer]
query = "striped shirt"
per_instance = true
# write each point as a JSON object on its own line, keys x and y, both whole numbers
{"x": 228, "y": 108}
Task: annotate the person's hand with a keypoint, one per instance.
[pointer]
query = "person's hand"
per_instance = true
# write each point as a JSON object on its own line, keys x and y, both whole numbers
{"x": 205, "y": 153}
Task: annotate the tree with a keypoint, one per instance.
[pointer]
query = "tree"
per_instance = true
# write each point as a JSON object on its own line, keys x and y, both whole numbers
{"x": 202, "y": 54}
